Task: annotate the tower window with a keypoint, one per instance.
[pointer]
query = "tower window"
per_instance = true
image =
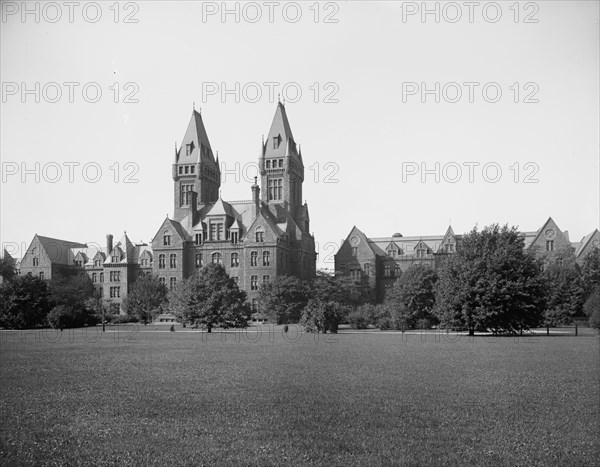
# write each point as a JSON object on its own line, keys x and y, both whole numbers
{"x": 276, "y": 141}
{"x": 275, "y": 187}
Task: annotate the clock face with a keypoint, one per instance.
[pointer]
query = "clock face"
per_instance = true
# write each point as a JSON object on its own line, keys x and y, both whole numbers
{"x": 354, "y": 240}
{"x": 549, "y": 234}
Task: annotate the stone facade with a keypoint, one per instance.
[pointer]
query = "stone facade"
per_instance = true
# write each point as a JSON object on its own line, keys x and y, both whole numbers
{"x": 378, "y": 262}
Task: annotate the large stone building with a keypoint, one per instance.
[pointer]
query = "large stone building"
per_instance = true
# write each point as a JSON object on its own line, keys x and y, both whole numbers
{"x": 378, "y": 262}
{"x": 255, "y": 240}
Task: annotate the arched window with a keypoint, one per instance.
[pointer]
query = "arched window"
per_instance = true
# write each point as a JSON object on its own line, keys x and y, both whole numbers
{"x": 397, "y": 270}
{"x": 266, "y": 258}
{"x": 94, "y": 277}
{"x": 166, "y": 238}
{"x": 161, "y": 261}
{"x": 42, "y": 275}
{"x": 254, "y": 258}
{"x": 36, "y": 261}
{"x": 198, "y": 260}
{"x": 173, "y": 260}
{"x": 235, "y": 260}
{"x": 217, "y": 258}
{"x": 101, "y": 277}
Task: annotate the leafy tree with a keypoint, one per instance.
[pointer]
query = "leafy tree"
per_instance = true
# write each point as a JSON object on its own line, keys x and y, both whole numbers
{"x": 413, "y": 295}
{"x": 321, "y": 316}
{"x": 565, "y": 293}
{"x": 70, "y": 290}
{"x": 24, "y": 302}
{"x": 146, "y": 298}
{"x": 590, "y": 271}
{"x": 7, "y": 269}
{"x": 210, "y": 298}
{"x": 592, "y": 308}
{"x": 282, "y": 299}
{"x": 362, "y": 316}
{"x": 63, "y": 316}
{"x": 492, "y": 282}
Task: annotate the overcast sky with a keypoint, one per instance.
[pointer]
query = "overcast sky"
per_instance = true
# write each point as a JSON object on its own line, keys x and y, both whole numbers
{"x": 366, "y": 127}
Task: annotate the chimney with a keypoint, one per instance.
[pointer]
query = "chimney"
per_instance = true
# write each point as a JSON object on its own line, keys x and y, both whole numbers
{"x": 109, "y": 243}
{"x": 255, "y": 199}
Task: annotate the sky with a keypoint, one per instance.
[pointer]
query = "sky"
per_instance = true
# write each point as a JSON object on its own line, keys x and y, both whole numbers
{"x": 411, "y": 116}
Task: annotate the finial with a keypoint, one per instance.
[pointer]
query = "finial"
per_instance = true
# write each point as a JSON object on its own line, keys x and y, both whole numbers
{"x": 193, "y": 106}
{"x": 279, "y": 98}
{"x": 284, "y": 101}
{"x": 255, "y": 180}
{"x": 263, "y": 138}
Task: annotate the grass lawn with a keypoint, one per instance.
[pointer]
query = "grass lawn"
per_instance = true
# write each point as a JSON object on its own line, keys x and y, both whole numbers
{"x": 160, "y": 398}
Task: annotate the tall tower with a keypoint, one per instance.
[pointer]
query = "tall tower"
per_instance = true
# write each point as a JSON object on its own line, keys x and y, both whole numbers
{"x": 195, "y": 169}
{"x": 281, "y": 168}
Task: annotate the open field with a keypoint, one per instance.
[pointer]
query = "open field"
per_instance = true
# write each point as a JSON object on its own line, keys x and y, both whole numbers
{"x": 349, "y": 399}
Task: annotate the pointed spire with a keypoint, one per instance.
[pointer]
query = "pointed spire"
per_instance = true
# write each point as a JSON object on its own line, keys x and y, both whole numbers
{"x": 193, "y": 107}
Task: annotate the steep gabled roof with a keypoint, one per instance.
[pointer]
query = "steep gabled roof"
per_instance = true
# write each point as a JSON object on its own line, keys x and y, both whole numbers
{"x": 584, "y": 242}
{"x": 59, "y": 251}
{"x": 220, "y": 208}
{"x": 280, "y": 128}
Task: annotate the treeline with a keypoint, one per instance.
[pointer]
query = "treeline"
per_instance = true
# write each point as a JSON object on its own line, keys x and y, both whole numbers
{"x": 491, "y": 284}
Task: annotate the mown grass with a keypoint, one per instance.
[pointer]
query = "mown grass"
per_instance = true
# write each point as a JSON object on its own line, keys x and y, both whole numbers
{"x": 160, "y": 398}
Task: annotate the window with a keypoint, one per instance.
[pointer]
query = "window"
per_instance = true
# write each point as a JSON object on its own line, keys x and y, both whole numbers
{"x": 198, "y": 262}
{"x": 254, "y": 304}
{"x": 266, "y": 258}
{"x": 275, "y": 187}
{"x": 172, "y": 283}
{"x": 115, "y": 276}
{"x": 276, "y": 141}
{"x": 115, "y": 292}
{"x": 78, "y": 263}
{"x": 235, "y": 260}
{"x": 421, "y": 250}
{"x": 253, "y": 282}
{"x": 216, "y": 231}
{"x": 450, "y": 248}
{"x": 94, "y": 277}
{"x": 234, "y": 236}
{"x": 166, "y": 238}
{"x": 101, "y": 277}
{"x": 559, "y": 261}
{"x": 36, "y": 261}
{"x": 187, "y": 169}
{"x": 254, "y": 258}
{"x": 198, "y": 239}
{"x": 280, "y": 162}
{"x": 397, "y": 270}
{"x": 217, "y": 258}
{"x": 116, "y": 258}
{"x": 162, "y": 280}
{"x": 100, "y": 292}
{"x": 266, "y": 279}
{"x": 392, "y": 252}
{"x": 97, "y": 263}
{"x": 180, "y": 170}
{"x": 388, "y": 271}
{"x": 355, "y": 274}
{"x": 354, "y": 251}
{"x": 172, "y": 260}
{"x": 42, "y": 275}
{"x": 161, "y": 261}
{"x": 189, "y": 148}
{"x": 185, "y": 194}
{"x": 268, "y": 164}
{"x": 260, "y": 236}
{"x": 367, "y": 269}
{"x": 549, "y": 245}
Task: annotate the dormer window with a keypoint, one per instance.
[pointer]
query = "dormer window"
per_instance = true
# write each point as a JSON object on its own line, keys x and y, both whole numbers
{"x": 116, "y": 258}
{"x": 166, "y": 238}
{"x": 276, "y": 141}
{"x": 189, "y": 148}
{"x": 198, "y": 239}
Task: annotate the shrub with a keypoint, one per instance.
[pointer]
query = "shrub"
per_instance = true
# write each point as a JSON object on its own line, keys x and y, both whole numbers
{"x": 592, "y": 309}
{"x": 122, "y": 319}
{"x": 63, "y": 316}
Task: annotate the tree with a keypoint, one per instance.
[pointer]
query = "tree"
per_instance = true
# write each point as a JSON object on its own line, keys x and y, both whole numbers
{"x": 146, "y": 298}
{"x": 24, "y": 302}
{"x": 210, "y": 298}
{"x": 282, "y": 299}
{"x": 590, "y": 271}
{"x": 565, "y": 293}
{"x": 322, "y": 316}
{"x": 413, "y": 295}
{"x": 362, "y": 316}
{"x": 492, "y": 283}
{"x": 70, "y": 290}
{"x": 7, "y": 269}
{"x": 592, "y": 308}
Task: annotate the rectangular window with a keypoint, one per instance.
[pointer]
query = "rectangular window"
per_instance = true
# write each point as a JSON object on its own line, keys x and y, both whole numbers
{"x": 198, "y": 260}
{"x": 280, "y": 162}
{"x": 193, "y": 169}
{"x": 254, "y": 258}
{"x": 266, "y": 279}
{"x": 254, "y": 304}
{"x": 161, "y": 280}
{"x": 268, "y": 164}
{"x": 354, "y": 251}
{"x": 266, "y": 258}
{"x": 234, "y": 237}
{"x": 235, "y": 260}
{"x": 549, "y": 245}
{"x": 387, "y": 270}
{"x": 172, "y": 283}
{"x": 275, "y": 189}
{"x": 253, "y": 282}
{"x": 36, "y": 261}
